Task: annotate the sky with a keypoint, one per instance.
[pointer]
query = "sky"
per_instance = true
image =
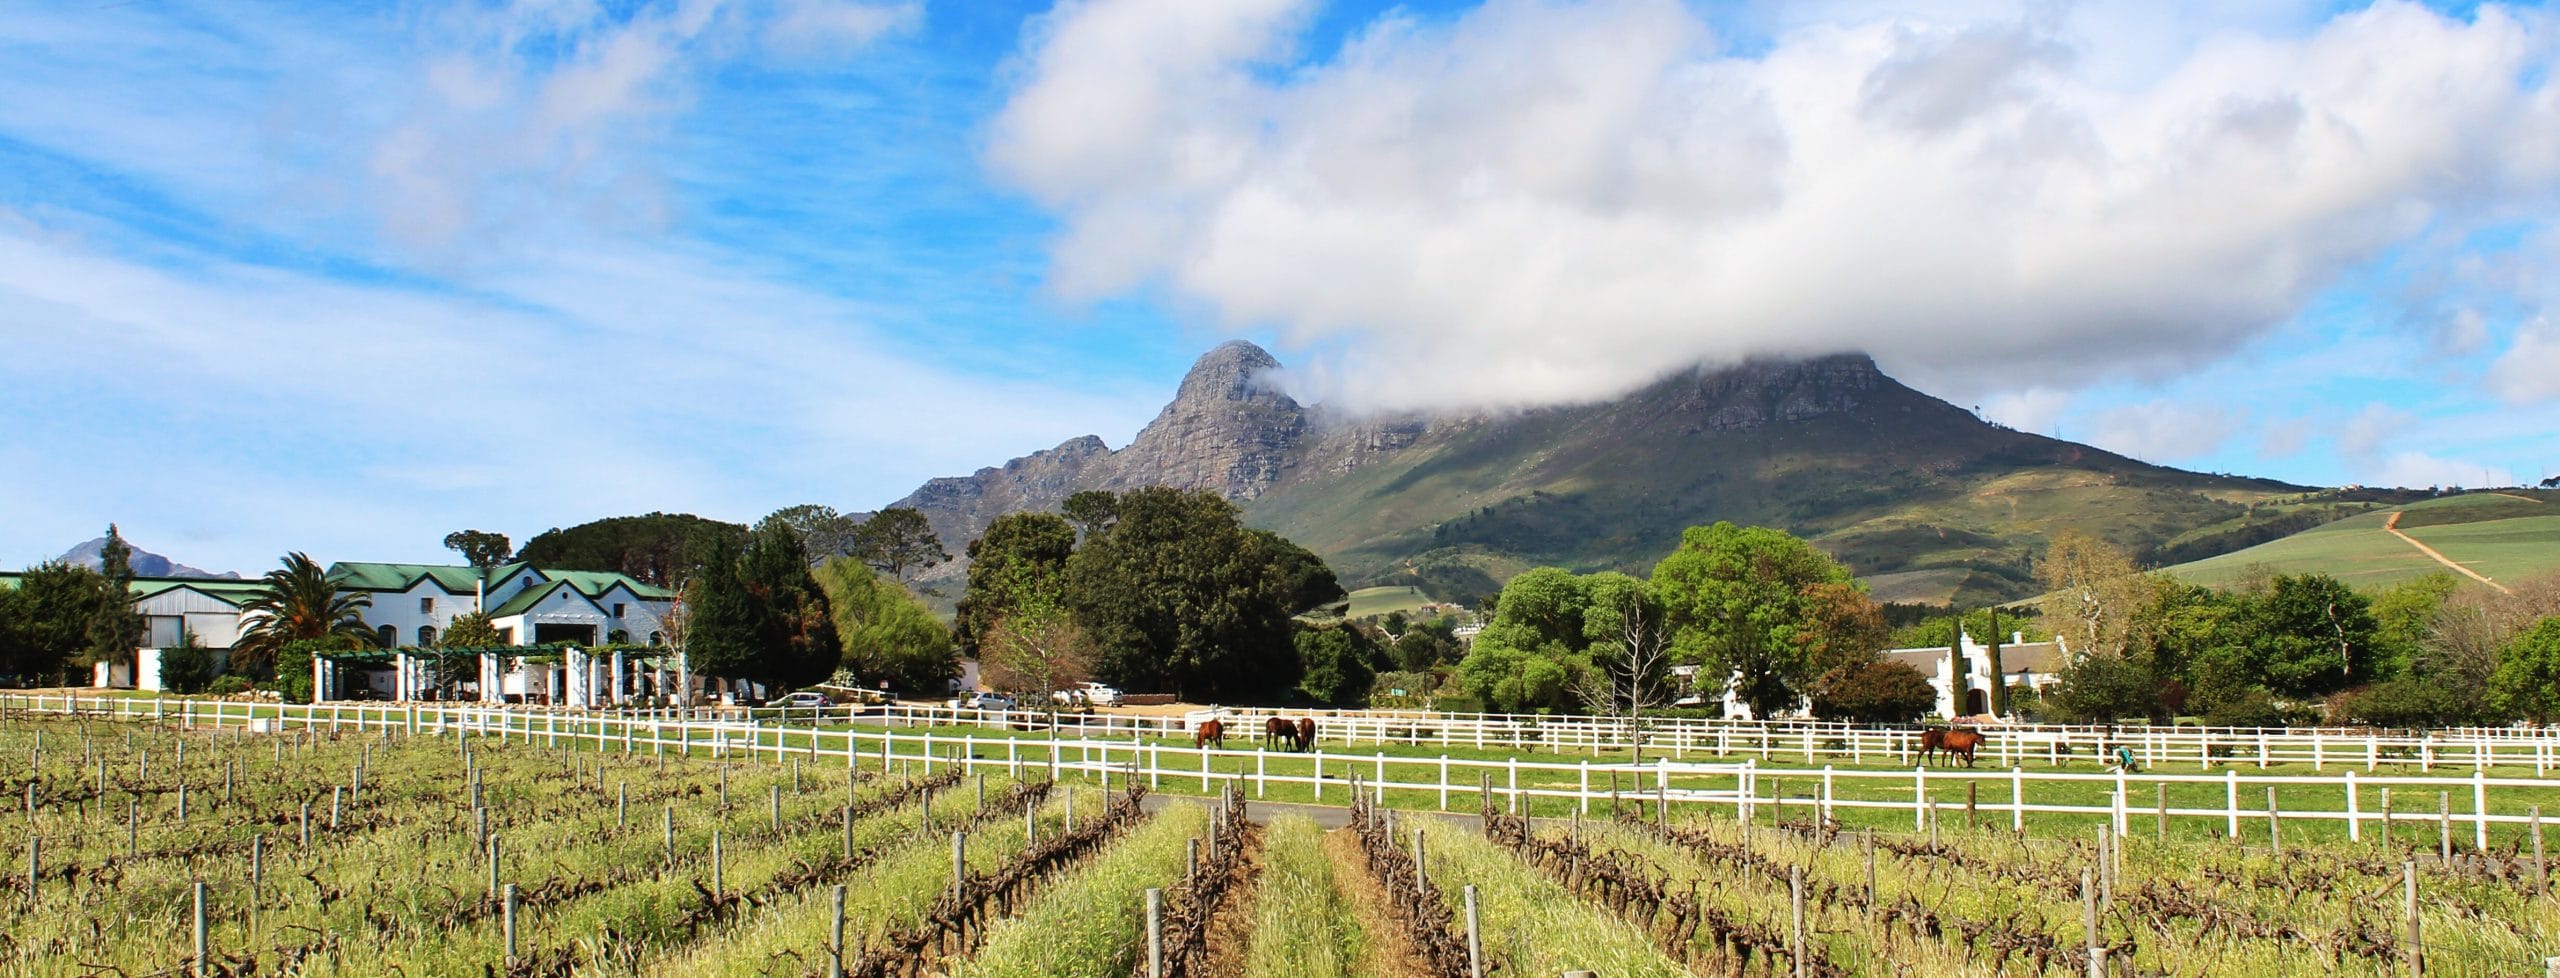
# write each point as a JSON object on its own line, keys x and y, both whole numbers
{"x": 342, "y": 278}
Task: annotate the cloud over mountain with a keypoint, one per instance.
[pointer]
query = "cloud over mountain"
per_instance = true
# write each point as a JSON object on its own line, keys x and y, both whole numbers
{"x": 1556, "y": 202}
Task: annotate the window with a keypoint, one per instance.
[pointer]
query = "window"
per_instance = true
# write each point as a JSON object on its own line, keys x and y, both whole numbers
{"x": 426, "y": 606}
{"x": 617, "y": 609}
{"x": 426, "y": 635}
{"x": 387, "y": 636}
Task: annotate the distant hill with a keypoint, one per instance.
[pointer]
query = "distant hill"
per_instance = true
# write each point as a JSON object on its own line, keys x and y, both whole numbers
{"x": 2505, "y": 535}
{"x": 1923, "y": 499}
{"x": 145, "y": 563}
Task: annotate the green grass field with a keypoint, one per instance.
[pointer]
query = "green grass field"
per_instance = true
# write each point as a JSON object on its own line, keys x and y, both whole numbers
{"x": 1381, "y": 600}
{"x": 2505, "y": 537}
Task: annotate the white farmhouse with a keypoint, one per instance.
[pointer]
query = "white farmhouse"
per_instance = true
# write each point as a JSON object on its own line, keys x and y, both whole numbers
{"x": 2035, "y": 665}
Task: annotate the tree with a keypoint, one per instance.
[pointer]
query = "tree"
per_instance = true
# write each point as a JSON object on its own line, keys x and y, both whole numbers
{"x": 886, "y": 633}
{"x": 1534, "y": 655}
{"x": 1877, "y": 691}
{"x": 293, "y": 662}
{"x": 2102, "y": 687}
{"x": 115, "y": 629}
{"x": 2311, "y": 635}
{"x": 1091, "y": 510}
{"x": 721, "y": 627}
{"x": 479, "y": 548}
{"x": 470, "y": 630}
{"x": 1018, "y": 551}
{"x": 2092, "y": 593}
{"x": 2404, "y": 614}
{"x": 795, "y": 634}
{"x": 2527, "y": 683}
{"x": 1736, "y": 600}
{"x": 1179, "y": 596}
{"x": 1335, "y": 666}
{"x": 896, "y": 540}
{"x": 187, "y": 668}
{"x": 660, "y": 548}
{"x": 1305, "y": 581}
{"x": 297, "y": 601}
{"x": 824, "y": 532}
{"x": 1627, "y": 646}
{"x": 44, "y": 621}
{"x": 1033, "y": 644}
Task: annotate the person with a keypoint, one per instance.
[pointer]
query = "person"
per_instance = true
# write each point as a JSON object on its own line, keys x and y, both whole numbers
{"x": 2125, "y": 761}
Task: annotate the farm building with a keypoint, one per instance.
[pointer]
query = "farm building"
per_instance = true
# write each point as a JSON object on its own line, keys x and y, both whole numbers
{"x": 2035, "y": 665}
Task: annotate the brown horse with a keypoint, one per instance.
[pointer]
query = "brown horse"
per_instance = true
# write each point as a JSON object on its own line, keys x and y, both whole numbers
{"x": 1210, "y": 732}
{"x": 1956, "y": 741}
{"x": 1306, "y": 733}
{"x": 1277, "y": 732}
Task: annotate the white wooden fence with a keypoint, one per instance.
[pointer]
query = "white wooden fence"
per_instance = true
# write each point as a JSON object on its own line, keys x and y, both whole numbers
{"x": 1744, "y": 787}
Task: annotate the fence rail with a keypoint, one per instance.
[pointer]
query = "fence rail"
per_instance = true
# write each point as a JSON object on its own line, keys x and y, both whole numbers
{"x": 1744, "y": 787}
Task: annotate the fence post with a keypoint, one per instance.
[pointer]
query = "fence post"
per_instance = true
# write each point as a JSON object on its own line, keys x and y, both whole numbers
{"x": 2480, "y": 807}
{"x": 2355, "y": 816}
{"x": 2231, "y": 802}
{"x": 509, "y": 901}
{"x": 1475, "y": 943}
{"x": 2017, "y": 799}
{"x": 2088, "y": 913}
{"x": 835, "y": 939}
{"x": 2414, "y": 952}
{"x": 203, "y": 935}
{"x": 1795, "y": 938}
{"x": 1155, "y": 933}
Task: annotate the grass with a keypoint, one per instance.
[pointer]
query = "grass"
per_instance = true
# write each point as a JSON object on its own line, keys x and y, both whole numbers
{"x": 2501, "y": 536}
{"x": 1381, "y": 600}
{"x": 1530, "y": 923}
{"x": 1303, "y": 924}
{"x": 1089, "y": 923}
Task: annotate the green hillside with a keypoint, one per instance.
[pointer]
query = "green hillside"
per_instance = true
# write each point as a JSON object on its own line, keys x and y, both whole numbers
{"x": 2504, "y": 536}
{"x": 1925, "y": 500}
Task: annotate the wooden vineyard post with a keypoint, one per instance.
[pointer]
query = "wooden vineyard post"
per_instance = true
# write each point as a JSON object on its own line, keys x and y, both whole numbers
{"x": 257, "y": 872}
{"x": 132, "y": 836}
{"x": 621, "y": 804}
{"x": 1475, "y": 942}
{"x": 2160, "y": 828}
{"x": 2275, "y": 833}
{"x": 1970, "y": 787}
{"x": 777, "y": 808}
{"x": 2541, "y": 869}
{"x": 1155, "y": 933}
{"x": 306, "y": 826}
{"x": 203, "y": 935}
{"x": 835, "y": 936}
{"x": 1421, "y": 871}
{"x": 2444, "y": 827}
{"x": 959, "y": 867}
{"x": 508, "y": 903}
{"x": 719, "y": 866}
{"x": 2414, "y": 954}
{"x": 493, "y": 865}
{"x": 1795, "y": 937}
{"x": 1874, "y": 912}
{"x": 667, "y": 832}
{"x": 2089, "y": 917}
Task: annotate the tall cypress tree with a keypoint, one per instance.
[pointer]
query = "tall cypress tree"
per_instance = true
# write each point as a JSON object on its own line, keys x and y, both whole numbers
{"x": 115, "y": 629}
{"x": 795, "y": 635}
{"x": 1999, "y": 683}
{"x": 720, "y": 626}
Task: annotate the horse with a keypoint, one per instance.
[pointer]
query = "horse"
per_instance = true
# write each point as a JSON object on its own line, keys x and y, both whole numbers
{"x": 1955, "y": 741}
{"x": 1210, "y": 732}
{"x": 1277, "y": 732}
{"x": 1306, "y": 733}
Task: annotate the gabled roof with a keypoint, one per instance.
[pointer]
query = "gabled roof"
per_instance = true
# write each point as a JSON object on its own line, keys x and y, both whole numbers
{"x": 528, "y": 598}
{"x": 367, "y": 576}
{"x": 230, "y": 591}
{"x": 594, "y": 584}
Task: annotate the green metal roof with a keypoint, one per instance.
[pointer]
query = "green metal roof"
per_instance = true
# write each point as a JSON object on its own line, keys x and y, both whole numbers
{"x": 594, "y": 584}
{"x": 226, "y": 590}
{"x": 526, "y": 599}
{"x": 459, "y": 580}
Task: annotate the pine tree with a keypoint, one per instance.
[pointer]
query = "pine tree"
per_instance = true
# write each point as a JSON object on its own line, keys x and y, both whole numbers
{"x": 115, "y": 629}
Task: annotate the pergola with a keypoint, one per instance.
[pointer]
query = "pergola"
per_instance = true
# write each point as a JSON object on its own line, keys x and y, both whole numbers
{"x": 556, "y": 673}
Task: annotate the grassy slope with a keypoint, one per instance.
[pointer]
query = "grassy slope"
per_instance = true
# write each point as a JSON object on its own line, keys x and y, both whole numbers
{"x": 2501, "y": 536}
{"x": 1381, "y": 600}
{"x": 1911, "y": 492}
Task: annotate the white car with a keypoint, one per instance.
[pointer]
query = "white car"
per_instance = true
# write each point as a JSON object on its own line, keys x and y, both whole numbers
{"x": 804, "y": 699}
{"x": 1099, "y": 694}
{"x": 984, "y": 701}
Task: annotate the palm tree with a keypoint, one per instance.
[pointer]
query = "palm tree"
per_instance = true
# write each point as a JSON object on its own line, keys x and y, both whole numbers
{"x": 299, "y": 602}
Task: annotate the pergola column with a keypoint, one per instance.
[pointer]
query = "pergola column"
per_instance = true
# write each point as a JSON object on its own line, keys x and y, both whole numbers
{"x": 319, "y": 678}
{"x": 619, "y": 690}
{"x": 490, "y": 681}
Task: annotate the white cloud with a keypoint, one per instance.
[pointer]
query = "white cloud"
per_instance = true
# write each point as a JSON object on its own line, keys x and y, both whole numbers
{"x": 2419, "y": 470}
{"x": 2530, "y": 369}
{"x": 2364, "y": 434}
{"x": 2165, "y": 431}
{"x": 2284, "y": 439}
{"x": 2034, "y": 409}
{"x": 1557, "y": 201}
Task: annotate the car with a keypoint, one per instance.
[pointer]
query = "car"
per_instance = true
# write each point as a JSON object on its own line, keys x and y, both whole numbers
{"x": 1099, "y": 694}
{"x": 984, "y": 701}
{"x": 804, "y": 698}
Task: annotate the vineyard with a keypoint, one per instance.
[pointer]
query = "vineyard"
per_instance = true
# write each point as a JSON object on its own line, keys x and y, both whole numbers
{"x": 159, "y": 849}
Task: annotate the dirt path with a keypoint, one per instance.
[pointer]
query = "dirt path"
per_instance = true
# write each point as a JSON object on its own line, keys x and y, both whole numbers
{"x": 1231, "y": 923}
{"x": 2392, "y": 526}
{"x": 1387, "y": 953}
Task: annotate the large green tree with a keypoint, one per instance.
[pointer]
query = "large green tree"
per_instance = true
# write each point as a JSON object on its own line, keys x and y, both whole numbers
{"x": 115, "y": 629}
{"x": 479, "y": 548}
{"x": 795, "y": 633}
{"x": 2527, "y": 683}
{"x": 660, "y": 548}
{"x": 722, "y": 632}
{"x": 897, "y": 541}
{"x": 1741, "y": 601}
{"x": 44, "y": 621}
{"x": 2311, "y": 635}
{"x": 887, "y": 634}
{"x": 1021, "y": 554}
{"x": 1178, "y": 595}
{"x": 823, "y": 531}
{"x": 297, "y": 601}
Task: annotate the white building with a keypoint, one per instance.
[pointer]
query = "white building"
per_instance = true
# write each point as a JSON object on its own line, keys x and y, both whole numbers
{"x": 2035, "y": 665}
{"x": 414, "y": 603}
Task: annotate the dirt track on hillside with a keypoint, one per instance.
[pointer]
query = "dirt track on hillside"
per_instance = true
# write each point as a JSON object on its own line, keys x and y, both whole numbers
{"x": 2392, "y": 526}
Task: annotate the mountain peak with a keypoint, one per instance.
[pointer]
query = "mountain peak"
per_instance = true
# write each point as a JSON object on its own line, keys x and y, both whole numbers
{"x": 1226, "y": 372}
{"x": 144, "y": 563}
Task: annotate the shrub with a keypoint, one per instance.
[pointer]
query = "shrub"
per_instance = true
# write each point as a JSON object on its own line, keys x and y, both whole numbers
{"x": 227, "y": 684}
{"x": 1881, "y": 691}
{"x": 188, "y": 668}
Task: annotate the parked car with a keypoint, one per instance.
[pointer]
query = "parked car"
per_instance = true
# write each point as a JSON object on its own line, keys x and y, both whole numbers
{"x": 804, "y": 698}
{"x": 984, "y": 701}
{"x": 1099, "y": 694}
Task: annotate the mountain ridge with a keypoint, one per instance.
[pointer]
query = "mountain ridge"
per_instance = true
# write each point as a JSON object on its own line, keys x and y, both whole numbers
{"x": 1921, "y": 497}
{"x": 92, "y": 555}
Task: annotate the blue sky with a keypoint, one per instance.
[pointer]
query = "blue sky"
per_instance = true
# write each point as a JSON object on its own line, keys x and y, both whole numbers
{"x": 341, "y": 279}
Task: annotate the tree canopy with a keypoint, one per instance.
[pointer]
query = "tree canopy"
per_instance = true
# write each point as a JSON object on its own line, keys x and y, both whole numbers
{"x": 896, "y": 541}
{"x": 44, "y": 621}
{"x": 115, "y": 629}
{"x": 1746, "y": 602}
{"x": 887, "y": 634}
{"x": 1179, "y": 596}
{"x": 479, "y": 548}
{"x": 297, "y": 602}
{"x": 656, "y": 548}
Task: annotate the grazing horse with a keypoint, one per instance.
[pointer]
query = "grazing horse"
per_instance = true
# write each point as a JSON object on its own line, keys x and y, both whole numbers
{"x": 1276, "y": 732}
{"x": 1956, "y": 742}
{"x": 1210, "y": 732}
{"x": 1306, "y": 733}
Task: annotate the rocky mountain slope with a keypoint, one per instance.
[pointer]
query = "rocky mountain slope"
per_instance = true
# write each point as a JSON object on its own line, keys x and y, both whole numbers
{"x": 145, "y": 563}
{"x": 1922, "y": 498}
